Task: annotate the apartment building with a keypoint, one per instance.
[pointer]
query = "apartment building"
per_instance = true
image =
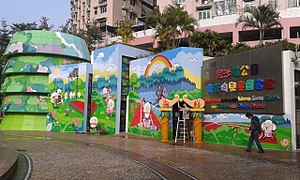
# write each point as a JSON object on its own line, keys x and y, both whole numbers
{"x": 108, "y": 12}
{"x": 221, "y": 15}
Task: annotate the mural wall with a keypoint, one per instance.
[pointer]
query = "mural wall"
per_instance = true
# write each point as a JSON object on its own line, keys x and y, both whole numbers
{"x": 162, "y": 80}
{"x": 233, "y": 129}
{"x": 30, "y": 56}
{"x": 240, "y": 83}
{"x": 66, "y": 106}
{"x": 47, "y": 42}
{"x": 110, "y": 71}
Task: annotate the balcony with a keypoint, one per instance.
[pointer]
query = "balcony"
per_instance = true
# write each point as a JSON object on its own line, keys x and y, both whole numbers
{"x": 102, "y": 2}
{"x": 203, "y": 4}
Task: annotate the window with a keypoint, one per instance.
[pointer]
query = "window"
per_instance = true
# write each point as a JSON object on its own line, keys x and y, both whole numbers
{"x": 225, "y": 7}
{"x": 102, "y": 23}
{"x": 204, "y": 1}
{"x": 180, "y": 1}
{"x": 204, "y": 14}
{"x": 293, "y": 3}
{"x": 253, "y": 35}
{"x": 96, "y": 10}
{"x": 132, "y": 2}
{"x": 295, "y": 32}
{"x": 102, "y": 1}
{"x": 88, "y": 15}
{"x": 273, "y": 4}
{"x": 132, "y": 16}
{"x": 248, "y": 5}
{"x": 103, "y": 9}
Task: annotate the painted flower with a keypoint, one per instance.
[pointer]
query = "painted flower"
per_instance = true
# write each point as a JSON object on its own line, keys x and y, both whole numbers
{"x": 285, "y": 142}
{"x": 18, "y": 101}
{"x": 17, "y": 47}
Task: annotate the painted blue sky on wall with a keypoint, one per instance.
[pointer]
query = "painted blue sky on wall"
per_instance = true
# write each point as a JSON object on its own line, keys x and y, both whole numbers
{"x": 185, "y": 57}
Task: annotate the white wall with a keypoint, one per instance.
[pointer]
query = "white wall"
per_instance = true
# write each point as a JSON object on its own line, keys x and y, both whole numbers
{"x": 288, "y": 68}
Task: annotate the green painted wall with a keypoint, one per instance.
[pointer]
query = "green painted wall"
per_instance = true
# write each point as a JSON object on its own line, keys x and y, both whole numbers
{"x": 30, "y": 56}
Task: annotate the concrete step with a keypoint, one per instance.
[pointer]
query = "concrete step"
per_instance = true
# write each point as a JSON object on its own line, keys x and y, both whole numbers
{"x": 8, "y": 161}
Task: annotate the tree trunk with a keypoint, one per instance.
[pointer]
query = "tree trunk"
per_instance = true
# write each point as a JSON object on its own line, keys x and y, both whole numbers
{"x": 261, "y": 36}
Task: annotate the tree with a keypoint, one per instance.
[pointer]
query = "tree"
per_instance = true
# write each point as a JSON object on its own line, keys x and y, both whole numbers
{"x": 4, "y": 37}
{"x": 211, "y": 43}
{"x": 4, "y": 40}
{"x": 262, "y": 17}
{"x": 66, "y": 28}
{"x": 23, "y": 26}
{"x": 44, "y": 24}
{"x": 171, "y": 25}
{"x": 125, "y": 31}
{"x": 92, "y": 35}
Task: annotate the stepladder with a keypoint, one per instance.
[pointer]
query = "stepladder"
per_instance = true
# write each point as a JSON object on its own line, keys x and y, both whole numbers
{"x": 181, "y": 127}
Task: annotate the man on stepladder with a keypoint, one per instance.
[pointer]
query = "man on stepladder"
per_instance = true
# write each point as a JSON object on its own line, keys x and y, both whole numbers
{"x": 255, "y": 129}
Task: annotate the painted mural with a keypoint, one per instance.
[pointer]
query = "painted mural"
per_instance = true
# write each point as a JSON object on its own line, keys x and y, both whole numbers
{"x": 66, "y": 101}
{"x": 26, "y": 83}
{"x": 34, "y": 64}
{"x": 110, "y": 87}
{"x": 31, "y": 103}
{"x": 233, "y": 129}
{"x": 34, "y": 41}
{"x": 105, "y": 72}
{"x": 162, "y": 80}
{"x": 30, "y": 55}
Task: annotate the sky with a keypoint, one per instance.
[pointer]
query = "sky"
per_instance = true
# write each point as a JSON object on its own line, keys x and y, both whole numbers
{"x": 19, "y": 11}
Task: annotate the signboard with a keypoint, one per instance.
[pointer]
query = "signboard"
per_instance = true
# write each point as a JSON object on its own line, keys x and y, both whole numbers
{"x": 246, "y": 82}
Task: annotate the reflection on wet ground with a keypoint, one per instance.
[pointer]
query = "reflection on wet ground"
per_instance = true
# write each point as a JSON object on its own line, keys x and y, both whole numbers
{"x": 123, "y": 156}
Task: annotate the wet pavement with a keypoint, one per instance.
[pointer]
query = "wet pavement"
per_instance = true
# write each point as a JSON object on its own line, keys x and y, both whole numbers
{"x": 89, "y": 156}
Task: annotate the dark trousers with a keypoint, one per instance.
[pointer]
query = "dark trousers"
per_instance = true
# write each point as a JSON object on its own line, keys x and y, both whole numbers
{"x": 254, "y": 137}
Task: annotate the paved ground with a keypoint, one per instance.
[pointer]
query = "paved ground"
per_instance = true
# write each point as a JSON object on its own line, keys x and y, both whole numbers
{"x": 84, "y": 156}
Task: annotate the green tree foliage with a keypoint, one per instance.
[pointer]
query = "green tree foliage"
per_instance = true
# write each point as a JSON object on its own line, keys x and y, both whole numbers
{"x": 211, "y": 43}
{"x": 66, "y": 28}
{"x": 23, "y": 26}
{"x": 125, "y": 31}
{"x": 262, "y": 18}
{"x": 92, "y": 35}
{"x": 44, "y": 24}
{"x": 238, "y": 48}
{"x": 170, "y": 25}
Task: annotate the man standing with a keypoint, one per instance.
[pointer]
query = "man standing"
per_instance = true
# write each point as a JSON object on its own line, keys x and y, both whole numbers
{"x": 255, "y": 130}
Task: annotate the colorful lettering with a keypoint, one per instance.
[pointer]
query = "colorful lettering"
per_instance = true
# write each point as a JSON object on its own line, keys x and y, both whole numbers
{"x": 244, "y": 70}
{"x": 219, "y": 74}
{"x": 232, "y": 86}
{"x": 241, "y": 86}
{"x": 254, "y": 69}
{"x": 259, "y": 84}
{"x": 250, "y": 85}
{"x": 236, "y": 71}
{"x": 224, "y": 87}
{"x": 217, "y": 87}
{"x": 269, "y": 83}
{"x": 209, "y": 89}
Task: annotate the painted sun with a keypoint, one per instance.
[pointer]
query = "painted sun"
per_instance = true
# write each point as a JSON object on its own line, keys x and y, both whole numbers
{"x": 56, "y": 71}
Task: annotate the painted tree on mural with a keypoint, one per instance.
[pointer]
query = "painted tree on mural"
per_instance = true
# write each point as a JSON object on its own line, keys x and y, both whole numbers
{"x": 262, "y": 18}
{"x": 134, "y": 81}
{"x": 171, "y": 76}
